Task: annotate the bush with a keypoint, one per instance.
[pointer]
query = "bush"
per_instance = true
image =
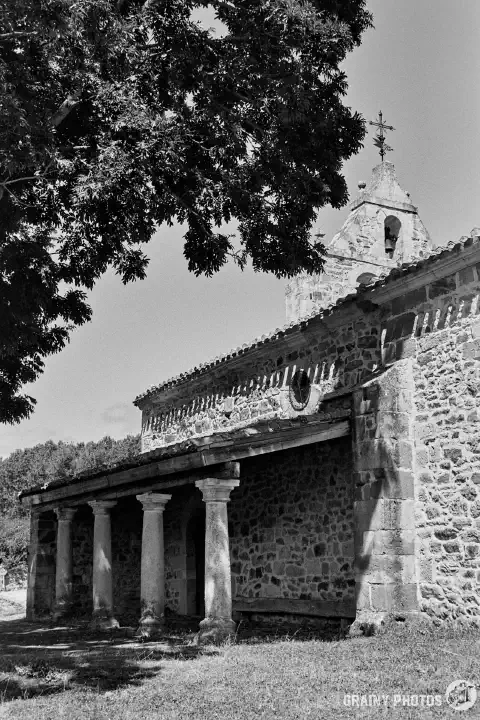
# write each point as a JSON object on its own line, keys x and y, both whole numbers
{"x": 14, "y": 533}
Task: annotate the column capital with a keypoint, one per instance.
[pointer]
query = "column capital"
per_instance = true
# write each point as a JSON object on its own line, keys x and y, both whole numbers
{"x": 102, "y": 507}
{"x": 65, "y": 514}
{"x": 153, "y": 501}
{"x": 217, "y": 490}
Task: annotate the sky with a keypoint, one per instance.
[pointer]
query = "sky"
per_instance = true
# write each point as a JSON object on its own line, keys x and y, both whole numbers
{"x": 421, "y": 67}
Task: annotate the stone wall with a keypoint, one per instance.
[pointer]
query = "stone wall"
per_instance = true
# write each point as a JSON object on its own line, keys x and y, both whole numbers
{"x": 448, "y": 459}
{"x": 185, "y": 502}
{"x": 438, "y": 326}
{"x": 305, "y": 294}
{"x": 290, "y": 520}
{"x": 82, "y": 550}
{"x": 127, "y": 519}
{"x": 126, "y": 523}
{"x": 41, "y": 562}
{"x": 227, "y": 400}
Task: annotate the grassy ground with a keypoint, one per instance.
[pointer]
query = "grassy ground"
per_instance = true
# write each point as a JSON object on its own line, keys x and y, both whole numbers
{"x": 51, "y": 674}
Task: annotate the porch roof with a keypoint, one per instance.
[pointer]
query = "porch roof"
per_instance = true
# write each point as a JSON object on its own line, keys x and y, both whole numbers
{"x": 184, "y": 462}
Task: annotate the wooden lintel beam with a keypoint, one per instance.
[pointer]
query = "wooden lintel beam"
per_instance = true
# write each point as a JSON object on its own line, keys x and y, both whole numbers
{"x": 107, "y": 494}
{"x": 316, "y": 607}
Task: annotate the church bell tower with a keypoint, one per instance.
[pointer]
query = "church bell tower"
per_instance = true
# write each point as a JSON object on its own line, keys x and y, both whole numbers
{"x": 382, "y": 231}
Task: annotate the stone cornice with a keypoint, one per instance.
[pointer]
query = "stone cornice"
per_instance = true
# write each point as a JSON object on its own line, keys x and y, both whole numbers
{"x": 154, "y": 502}
{"x": 387, "y": 204}
{"x": 65, "y": 514}
{"x": 214, "y": 490}
{"x": 102, "y": 507}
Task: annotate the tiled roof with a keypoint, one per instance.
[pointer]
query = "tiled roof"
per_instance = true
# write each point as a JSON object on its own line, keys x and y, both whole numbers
{"x": 395, "y": 274}
{"x": 103, "y": 469}
{"x": 273, "y": 427}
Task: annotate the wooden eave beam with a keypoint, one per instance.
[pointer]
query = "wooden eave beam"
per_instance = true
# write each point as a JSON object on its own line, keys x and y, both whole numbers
{"x": 189, "y": 466}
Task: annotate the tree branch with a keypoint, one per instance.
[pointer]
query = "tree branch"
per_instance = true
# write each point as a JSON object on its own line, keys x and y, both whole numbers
{"x": 16, "y": 34}
{"x": 193, "y": 211}
{"x": 65, "y": 108}
{"x": 17, "y": 180}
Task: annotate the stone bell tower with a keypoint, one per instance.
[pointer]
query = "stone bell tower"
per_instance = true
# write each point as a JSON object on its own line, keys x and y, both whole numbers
{"x": 382, "y": 231}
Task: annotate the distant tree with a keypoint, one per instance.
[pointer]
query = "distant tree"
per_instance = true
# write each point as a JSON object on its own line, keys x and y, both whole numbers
{"x": 50, "y": 461}
{"x": 106, "y": 452}
{"x": 43, "y": 464}
{"x": 14, "y": 535}
{"x": 118, "y": 116}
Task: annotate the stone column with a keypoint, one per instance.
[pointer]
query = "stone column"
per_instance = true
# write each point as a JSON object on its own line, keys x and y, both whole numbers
{"x": 64, "y": 564}
{"x": 384, "y": 522}
{"x": 152, "y": 583}
{"x": 218, "y": 622}
{"x": 103, "y": 618}
{"x": 32, "y": 561}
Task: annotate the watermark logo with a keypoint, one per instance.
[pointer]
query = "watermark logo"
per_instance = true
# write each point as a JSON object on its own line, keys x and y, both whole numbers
{"x": 461, "y": 695}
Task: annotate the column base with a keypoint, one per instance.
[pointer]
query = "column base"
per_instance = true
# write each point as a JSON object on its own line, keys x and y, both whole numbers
{"x": 373, "y": 623}
{"x": 368, "y": 623}
{"x": 102, "y": 622}
{"x": 215, "y": 631}
{"x": 150, "y": 627}
{"x": 61, "y": 611}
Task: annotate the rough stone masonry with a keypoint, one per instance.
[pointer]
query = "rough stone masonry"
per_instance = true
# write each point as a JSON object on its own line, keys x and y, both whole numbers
{"x": 329, "y": 471}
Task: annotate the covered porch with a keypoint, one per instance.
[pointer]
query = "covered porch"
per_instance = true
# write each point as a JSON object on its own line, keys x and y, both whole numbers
{"x": 142, "y": 539}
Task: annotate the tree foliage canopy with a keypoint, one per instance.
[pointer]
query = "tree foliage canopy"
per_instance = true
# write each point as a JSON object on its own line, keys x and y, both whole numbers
{"x": 42, "y": 464}
{"x": 51, "y": 461}
{"x": 118, "y": 116}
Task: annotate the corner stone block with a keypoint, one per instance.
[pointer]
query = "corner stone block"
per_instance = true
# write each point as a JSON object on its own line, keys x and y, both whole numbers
{"x": 393, "y": 542}
{"x": 393, "y": 424}
{"x": 395, "y": 598}
{"x": 398, "y": 484}
{"x": 398, "y": 377}
{"x": 362, "y": 593}
{"x": 384, "y": 514}
{"x": 404, "y": 401}
{"x": 399, "y": 514}
{"x": 384, "y": 506}
{"x": 384, "y": 569}
{"x": 394, "y": 484}
{"x": 403, "y": 454}
{"x": 365, "y": 400}
{"x": 375, "y": 453}
{"x": 406, "y": 348}
{"x": 364, "y": 543}
{"x": 368, "y": 515}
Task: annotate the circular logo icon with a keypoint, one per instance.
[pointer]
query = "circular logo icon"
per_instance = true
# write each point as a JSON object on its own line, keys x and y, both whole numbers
{"x": 461, "y": 695}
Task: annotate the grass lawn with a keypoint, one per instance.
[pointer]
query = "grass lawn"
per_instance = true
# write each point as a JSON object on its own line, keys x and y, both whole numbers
{"x": 53, "y": 674}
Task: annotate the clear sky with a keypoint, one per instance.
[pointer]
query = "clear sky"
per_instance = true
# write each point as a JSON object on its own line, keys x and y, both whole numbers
{"x": 421, "y": 67}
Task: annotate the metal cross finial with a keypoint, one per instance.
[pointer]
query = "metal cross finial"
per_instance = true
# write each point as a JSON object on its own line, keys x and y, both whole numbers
{"x": 380, "y": 140}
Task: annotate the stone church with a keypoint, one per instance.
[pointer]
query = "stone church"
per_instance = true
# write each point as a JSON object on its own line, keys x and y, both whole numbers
{"x": 329, "y": 470}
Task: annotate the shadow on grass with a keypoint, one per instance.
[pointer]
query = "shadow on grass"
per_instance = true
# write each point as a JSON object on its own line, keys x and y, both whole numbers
{"x": 38, "y": 659}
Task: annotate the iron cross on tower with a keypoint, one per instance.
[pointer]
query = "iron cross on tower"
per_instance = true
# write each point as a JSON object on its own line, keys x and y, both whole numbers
{"x": 380, "y": 140}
